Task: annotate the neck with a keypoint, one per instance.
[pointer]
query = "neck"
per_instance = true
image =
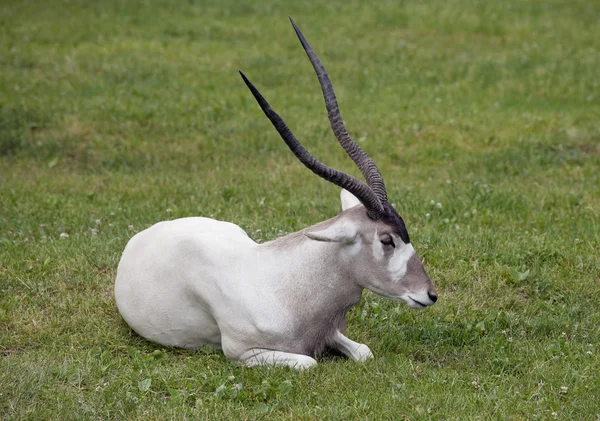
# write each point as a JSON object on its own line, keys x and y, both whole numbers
{"x": 317, "y": 286}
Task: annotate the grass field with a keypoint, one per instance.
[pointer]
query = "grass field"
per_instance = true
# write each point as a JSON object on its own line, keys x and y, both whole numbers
{"x": 482, "y": 116}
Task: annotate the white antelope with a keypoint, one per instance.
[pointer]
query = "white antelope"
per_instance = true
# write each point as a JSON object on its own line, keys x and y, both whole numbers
{"x": 192, "y": 282}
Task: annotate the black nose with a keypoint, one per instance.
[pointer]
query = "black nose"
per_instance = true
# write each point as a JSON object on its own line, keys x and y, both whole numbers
{"x": 432, "y": 297}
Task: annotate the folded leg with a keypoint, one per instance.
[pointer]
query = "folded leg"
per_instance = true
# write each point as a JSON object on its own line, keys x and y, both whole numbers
{"x": 259, "y": 356}
{"x": 348, "y": 347}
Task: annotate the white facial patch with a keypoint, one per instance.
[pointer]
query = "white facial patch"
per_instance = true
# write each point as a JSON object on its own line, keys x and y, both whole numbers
{"x": 398, "y": 262}
{"x": 377, "y": 248}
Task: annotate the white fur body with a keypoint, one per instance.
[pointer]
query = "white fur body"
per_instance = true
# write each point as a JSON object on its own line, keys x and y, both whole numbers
{"x": 192, "y": 282}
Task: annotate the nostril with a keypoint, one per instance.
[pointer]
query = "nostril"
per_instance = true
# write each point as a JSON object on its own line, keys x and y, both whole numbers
{"x": 432, "y": 297}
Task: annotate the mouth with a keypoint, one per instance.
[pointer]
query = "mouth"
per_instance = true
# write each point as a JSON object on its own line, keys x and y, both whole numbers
{"x": 417, "y": 302}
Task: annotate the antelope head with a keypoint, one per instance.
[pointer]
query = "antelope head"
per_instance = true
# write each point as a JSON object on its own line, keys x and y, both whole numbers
{"x": 372, "y": 239}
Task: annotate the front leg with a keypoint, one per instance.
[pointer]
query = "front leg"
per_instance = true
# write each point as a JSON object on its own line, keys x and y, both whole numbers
{"x": 348, "y": 347}
{"x": 260, "y": 356}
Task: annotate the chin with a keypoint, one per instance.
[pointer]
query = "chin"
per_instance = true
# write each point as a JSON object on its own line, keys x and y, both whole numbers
{"x": 414, "y": 305}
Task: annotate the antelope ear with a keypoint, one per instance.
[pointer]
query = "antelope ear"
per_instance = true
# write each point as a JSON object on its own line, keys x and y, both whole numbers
{"x": 336, "y": 233}
{"x": 348, "y": 200}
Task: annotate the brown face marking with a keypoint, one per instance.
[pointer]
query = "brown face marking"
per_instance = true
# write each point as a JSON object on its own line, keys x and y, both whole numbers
{"x": 416, "y": 274}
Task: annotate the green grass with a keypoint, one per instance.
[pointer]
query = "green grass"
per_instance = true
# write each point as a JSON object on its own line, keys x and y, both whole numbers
{"x": 121, "y": 114}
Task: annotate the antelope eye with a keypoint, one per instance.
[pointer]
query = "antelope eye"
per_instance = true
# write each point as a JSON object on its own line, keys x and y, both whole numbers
{"x": 388, "y": 241}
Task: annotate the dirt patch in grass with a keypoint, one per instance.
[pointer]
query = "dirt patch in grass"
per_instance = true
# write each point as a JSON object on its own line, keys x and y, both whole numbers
{"x": 17, "y": 125}
{"x": 592, "y": 147}
{"x": 7, "y": 352}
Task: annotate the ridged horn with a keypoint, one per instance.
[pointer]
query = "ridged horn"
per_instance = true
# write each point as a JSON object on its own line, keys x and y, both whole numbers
{"x": 359, "y": 156}
{"x": 358, "y": 188}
